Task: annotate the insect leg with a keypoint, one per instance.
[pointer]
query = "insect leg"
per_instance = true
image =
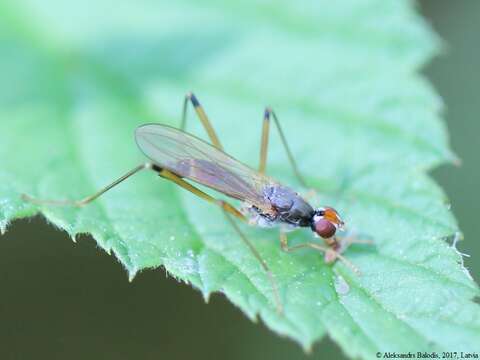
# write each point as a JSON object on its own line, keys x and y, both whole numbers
{"x": 329, "y": 252}
{"x": 352, "y": 238}
{"x": 262, "y": 262}
{"x": 187, "y": 186}
{"x": 264, "y": 145}
{"x": 90, "y": 198}
{"x": 190, "y": 97}
{"x": 228, "y": 210}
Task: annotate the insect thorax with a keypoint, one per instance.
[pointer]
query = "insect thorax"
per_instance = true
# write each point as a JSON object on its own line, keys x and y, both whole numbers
{"x": 287, "y": 208}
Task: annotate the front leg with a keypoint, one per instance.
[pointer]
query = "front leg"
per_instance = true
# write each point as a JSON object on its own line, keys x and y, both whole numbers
{"x": 331, "y": 254}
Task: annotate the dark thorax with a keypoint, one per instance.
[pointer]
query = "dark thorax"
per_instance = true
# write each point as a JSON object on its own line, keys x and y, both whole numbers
{"x": 287, "y": 207}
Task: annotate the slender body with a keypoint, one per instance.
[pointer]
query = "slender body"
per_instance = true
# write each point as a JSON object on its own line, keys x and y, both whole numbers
{"x": 183, "y": 158}
{"x": 268, "y": 202}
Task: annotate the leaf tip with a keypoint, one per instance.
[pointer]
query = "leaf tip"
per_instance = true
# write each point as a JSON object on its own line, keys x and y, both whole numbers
{"x": 307, "y": 348}
{"x": 451, "y": 157}
{"x": 3, "y": 226}
{"x": 206, "y": 296}
{"x": 455, "y": 160}
{"x": 132, "y": 273}
{"x": 456, "y": 237}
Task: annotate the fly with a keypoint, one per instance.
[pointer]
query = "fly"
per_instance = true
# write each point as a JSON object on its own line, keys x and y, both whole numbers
{"x": 182, "y": 158}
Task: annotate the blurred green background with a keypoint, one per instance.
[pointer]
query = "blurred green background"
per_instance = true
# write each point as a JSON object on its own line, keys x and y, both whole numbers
{"x": 62, "y": 300}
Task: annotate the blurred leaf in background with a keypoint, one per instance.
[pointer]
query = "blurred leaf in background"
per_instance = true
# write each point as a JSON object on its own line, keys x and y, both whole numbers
{"x": 455, "y": 75}
{"x": 342, "y": 77}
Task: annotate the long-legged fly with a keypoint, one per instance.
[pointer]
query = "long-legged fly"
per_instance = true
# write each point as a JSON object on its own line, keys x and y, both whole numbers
{"x": 179, "y": 156}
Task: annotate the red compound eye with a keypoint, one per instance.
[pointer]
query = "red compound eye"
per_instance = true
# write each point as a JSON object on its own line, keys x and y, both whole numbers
{"x": 325, "y": 228}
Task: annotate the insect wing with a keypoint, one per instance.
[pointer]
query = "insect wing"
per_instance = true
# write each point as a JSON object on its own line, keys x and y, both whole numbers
{"x": 192, "y": 158}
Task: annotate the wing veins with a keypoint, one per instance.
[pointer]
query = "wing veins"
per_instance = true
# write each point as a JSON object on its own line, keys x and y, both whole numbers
{"x": 243, "y": 187}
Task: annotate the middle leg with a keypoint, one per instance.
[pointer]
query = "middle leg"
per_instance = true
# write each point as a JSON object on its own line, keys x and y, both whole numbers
{"x": 229, "y": 211}
{"x": 269, "y": 113}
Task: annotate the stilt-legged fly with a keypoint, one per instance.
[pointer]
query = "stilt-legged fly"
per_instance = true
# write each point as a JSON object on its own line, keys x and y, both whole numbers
{"x": 178, "y": 156}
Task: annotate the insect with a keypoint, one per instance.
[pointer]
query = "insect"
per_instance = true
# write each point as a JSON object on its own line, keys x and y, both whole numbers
{"x": 182, "y": 158}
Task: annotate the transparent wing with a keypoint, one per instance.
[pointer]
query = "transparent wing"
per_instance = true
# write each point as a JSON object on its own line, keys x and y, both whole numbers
{"x": 195, "y": 159}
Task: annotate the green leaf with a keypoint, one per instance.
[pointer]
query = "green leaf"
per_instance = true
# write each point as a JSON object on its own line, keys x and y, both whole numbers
{"x": 362, "y": 123}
